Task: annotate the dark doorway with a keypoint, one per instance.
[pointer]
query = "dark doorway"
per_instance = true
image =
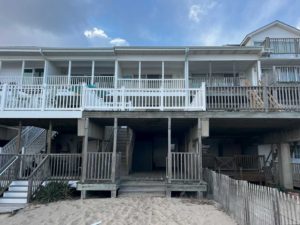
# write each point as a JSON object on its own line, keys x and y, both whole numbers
{"x": 150, "y": 152}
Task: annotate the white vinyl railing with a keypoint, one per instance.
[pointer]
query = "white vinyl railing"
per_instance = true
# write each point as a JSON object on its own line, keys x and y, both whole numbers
{"x": 287, "y": 74}
{"x": 19, "y": 80}
{"x": 151, "y": 83}
{"x": 142, "y": 99}
{"x": 82, "y": 97}
{"x": 215, "y": 82}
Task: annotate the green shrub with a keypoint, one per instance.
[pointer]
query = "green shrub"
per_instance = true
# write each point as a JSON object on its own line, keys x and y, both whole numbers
{"x": 52, "y": 192}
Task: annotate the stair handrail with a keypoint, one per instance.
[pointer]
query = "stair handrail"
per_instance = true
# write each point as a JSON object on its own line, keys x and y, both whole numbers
{"x": 12, "y": 144}
{"x": 9, "y": 174}
{"x": 37, "y": 177}
{"x": 28, "y": 148}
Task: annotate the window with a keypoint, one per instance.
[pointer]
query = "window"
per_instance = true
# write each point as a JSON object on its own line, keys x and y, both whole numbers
{"x": 258, "y": 43}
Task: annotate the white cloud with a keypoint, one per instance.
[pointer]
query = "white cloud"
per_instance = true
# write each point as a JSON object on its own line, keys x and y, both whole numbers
{"x": 95, "y": 33}
{"x": 97, "y": 37}
{"x": 119, "y": 42}
{"x": 197, "y": 11}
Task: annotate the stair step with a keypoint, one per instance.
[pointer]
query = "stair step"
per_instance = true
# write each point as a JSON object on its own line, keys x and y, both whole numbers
{"x": 13, "y": 200}
{"x": 15, "y": 194}
{"x": 141, "y": 189}
{"x": 19, "y": 183}
{"x": 17, "y": 188}
{"x": 144, "y": 194}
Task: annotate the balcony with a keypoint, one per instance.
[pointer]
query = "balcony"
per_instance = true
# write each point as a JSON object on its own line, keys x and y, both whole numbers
{"x": 282, "y": 46}
{"x": 84, "y": 97}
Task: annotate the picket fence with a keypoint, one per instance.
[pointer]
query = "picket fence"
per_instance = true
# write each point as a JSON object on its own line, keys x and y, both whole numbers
{"x": 251, "y": 204}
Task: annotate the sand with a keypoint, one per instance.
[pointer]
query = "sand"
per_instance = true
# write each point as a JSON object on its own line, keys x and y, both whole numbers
{"x": 134, "y": 210}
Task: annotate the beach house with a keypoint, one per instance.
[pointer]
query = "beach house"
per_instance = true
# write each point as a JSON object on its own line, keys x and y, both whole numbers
{"x": 148, "y": 119}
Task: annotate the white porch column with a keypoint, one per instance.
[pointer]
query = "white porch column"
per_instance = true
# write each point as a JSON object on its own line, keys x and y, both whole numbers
{"x": 254, "y": 80}
{"x": 140, "y": 73}
{"x": 0, "y": 66}
{"x": 258, "y": 71}
{"x": 209, "y": 71}
{"x": 186, "y": 73}
{"x": 93, "y": 72}
{"x": 116, "y": 73}
{"x": 69, "y": 71}
{"x": 163, "y": 74}
{"x": 22, "y": 72}
{"x": 46, "y": 71}
{"x": 285, "y": 166}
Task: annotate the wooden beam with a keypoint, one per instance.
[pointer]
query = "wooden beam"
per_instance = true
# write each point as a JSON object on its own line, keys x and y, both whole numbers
{"x": 169, "y": 150}
{"x": 19, "y": 138}
{"x": 84, "y": 155}
{"x": 114, "y": 155}
{"x": 199, "y": 133}
{"x": 49, "y": 138}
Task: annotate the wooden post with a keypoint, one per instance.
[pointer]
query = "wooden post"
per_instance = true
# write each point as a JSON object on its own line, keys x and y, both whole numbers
{"x": 84, "y": 155}
{"x": 199, "y": 136}
{"x": 19, "y": 138}
{"x": 49, "y": 137}
{"x": 169, "y": 151}
{"x": 114, "y": 153}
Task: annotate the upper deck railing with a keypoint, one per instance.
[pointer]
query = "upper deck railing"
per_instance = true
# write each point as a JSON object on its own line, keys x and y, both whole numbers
{"x": 282, "y": 45}
{"x": 85, "y": 97}
{"x": 109, "y": 81}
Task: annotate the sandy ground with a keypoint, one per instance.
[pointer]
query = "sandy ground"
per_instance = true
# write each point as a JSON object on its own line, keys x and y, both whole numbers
{"x": 136, "y": 210}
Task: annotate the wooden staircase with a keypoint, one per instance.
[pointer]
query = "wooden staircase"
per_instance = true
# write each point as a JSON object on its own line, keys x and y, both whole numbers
{"x": 257, "y": 102}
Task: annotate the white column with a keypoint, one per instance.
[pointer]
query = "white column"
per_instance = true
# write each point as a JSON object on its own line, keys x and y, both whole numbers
{"x": 140, "y": 73}
{"x": 163, "y": 74}
{"x": 0, "y": 66}
{"x": 69, "y": 71}
{"x": 22, "y": 72}
{"x": 285, "y": 166}
{"x": 116, "y": 73}
{"x": 186, "y": 73}
{"x": 258, "y": 70}
{"x": 254, "y": 80}
{"x": 93, "y": 72}
{"x": 209, "y": 72}
{"x": 45, "y": 75}
{"x": 169, "y": 150}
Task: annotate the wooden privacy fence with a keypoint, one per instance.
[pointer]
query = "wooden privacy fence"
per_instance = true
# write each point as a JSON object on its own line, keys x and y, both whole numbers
{"x": 185, "y": 167}
{"x": 251, "y": 204}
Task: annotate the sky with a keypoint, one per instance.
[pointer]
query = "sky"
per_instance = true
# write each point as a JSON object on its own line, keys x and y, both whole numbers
{"x": 107, "y": 23}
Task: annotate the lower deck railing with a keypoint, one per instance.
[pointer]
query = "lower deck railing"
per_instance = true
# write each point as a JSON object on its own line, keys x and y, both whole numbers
{"x": 185, "y": 167}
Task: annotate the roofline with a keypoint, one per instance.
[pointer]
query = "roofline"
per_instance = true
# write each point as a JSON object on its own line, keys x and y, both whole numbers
{"x": 248, "y": 36}
{"x": 125, "y": 48}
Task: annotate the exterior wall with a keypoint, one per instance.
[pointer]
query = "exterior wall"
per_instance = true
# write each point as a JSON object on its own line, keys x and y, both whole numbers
{"x": 11, "y": 68}
{"x": 52, "y": 69}
{"x": 272, "y": 32}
